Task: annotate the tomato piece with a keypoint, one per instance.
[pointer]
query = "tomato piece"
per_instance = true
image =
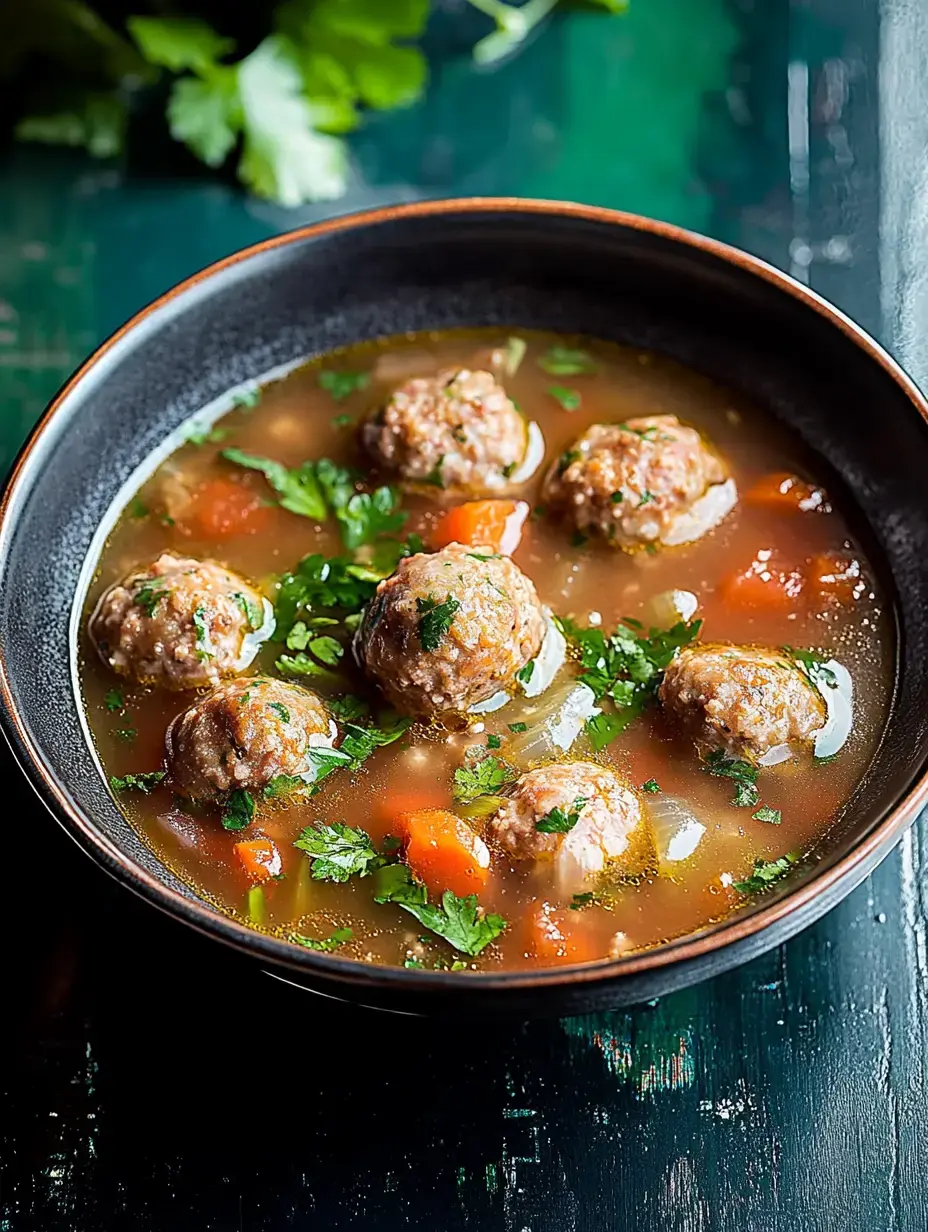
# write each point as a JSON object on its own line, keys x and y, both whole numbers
{"x": 259, "y": 858}
{"x": 766, "y": 584}
{"x": 444, "y": 852}
{"x": 222, "y": 509}
{"x": 787, "y": 494}
{"x": 495, "y": 524}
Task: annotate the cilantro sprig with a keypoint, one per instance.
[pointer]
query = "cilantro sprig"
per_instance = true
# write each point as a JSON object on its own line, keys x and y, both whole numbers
{"x": 483, "y": 778}
{"x": 338, "y": 851}
{"x": 435, "y": 619}
{"x": 561, "y": 821}
{"x": 742, "y": 774}
{"x": 325, "y": 945}
{"x": 567, "y": 361}
{"x": 459, "y": 921}
{"x": 766, "y": 872}
{"x": 145, "y": 783}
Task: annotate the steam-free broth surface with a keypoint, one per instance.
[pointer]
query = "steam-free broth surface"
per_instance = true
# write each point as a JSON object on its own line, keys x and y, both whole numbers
{"x": 809, "y": 586}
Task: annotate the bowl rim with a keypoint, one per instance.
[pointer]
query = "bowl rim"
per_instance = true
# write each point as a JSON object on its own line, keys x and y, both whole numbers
{"x": 851, "y": 867}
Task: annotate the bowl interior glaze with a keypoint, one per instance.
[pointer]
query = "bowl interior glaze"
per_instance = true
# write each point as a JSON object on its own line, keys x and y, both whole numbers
{"x": 437, "y": 266}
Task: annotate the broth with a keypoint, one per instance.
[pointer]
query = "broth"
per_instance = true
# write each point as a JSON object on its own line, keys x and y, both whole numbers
{"x": 296, "y": 419}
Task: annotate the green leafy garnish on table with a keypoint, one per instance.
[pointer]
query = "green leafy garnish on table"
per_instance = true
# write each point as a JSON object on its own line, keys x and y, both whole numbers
{"x": 239, "y": 810}
{"x": 742, "y": 773}
{"x": 457, "y": 920}
{"x": 561, "y": 821}
{"x": 326, "y": 945}
{"x": 342, "y": 384}
{"x": 435, "y": 619}
{"x": 145, "y": 783}
{"x": 765, "y": 873}
{"x": 482, "y": 778}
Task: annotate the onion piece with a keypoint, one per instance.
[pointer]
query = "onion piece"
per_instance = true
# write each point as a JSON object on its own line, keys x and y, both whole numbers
{"x": 705, "y": 513}
{"x": 549, "y": 660}
{"x": 554, "y": 725}
{"x": 839, "y": 702}
{"x": 677, "y": 831}
{"x": 254, "y": 639}
{"x": 773, "y": 757}
{"x": 671, "y": 607}
{"x": 534, "y": 455}
{"x": 496, "y": 702}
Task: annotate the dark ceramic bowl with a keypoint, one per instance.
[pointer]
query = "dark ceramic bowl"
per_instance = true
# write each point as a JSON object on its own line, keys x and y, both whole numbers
{"x": 433, "y": 266}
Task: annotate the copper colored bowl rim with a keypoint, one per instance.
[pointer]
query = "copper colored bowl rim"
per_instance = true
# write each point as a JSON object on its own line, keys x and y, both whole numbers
{"x": 850, "y": 868}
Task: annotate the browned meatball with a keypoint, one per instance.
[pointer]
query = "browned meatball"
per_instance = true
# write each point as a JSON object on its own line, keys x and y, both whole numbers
{"x": 450, "y": 629}
{"x": 604, "y": 810}
{"x": 645, "y": 481}
{"x": 457, "y": 430}
{"x": 244, "y": 734}
{"x": 180, "y": 623}
{"x": 744, "y": 700}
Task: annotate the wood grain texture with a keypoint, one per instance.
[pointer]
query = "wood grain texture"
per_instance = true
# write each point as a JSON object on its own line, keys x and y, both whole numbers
{"x": 152, "y": 1081}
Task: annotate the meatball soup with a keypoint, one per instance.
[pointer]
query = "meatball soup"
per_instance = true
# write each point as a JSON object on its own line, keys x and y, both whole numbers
{"x": 475, "y": 651}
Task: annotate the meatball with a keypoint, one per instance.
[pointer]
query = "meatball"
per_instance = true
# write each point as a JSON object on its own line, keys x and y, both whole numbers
{"x": 180, "y": 623}
{"x": 244, "y": 734}
{"x": 450, "y": 629}
{"x": 606, "y": 812}
{"x": 645, "y": 481}
{"x": 457, "y": 430}
{"x": 744, "y": 700}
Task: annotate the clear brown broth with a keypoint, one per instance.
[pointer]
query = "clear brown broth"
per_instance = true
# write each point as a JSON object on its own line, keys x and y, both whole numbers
{"x": 292, "y": 423}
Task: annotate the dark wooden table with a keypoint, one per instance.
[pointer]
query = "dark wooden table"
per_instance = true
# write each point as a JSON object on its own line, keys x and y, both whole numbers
{"x": 152, "y": 1081}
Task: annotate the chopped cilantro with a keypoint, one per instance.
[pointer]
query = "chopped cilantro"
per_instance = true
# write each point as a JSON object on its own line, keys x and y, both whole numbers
{"x": 280, "y": 709}
{"x": 413, "y": 964}
{"x": 326, "y": 649}
{"x": 201, "y": 624}
{"x": 509, "y": 470}
{"x": 567, "y": 361}
{"x": 359, "y": 742}
{"x": 284, "y": 785}
{"x": 524, "y": 674}
{"x": 567, "y": 458}
{"x": 137, "y": 508}
{"x": 247, "y": 399}
{"x": 128, "y": 734}
{"x": 616, "y": 498}
{"x": 824, "y": 761}
{"x": 560, "y": 822}
{"x": 326, "y": 946}
{"x": 812, "y": 666}
{"x": 316, "y": 584}
{"x": 742, "y": 773}
{"x": 239, "y": 810}
{"x": 513, "y": 354}
{"x": 298, "y": 488}
{"x": 253, "y": 612}
{"x": 435, "y": 619}
{"x": 341, "y": 384}
{"x": 114, "y": 701}
{"x": 646, "y": 498}
{"x": 771, "y": 815}
{"x": 145, "y": 783}
{"x": 148, "y": 597}
{"x": 481, "y": 779}
{"x": 341, "y": 421}
{"x": 765, "y": 872}
{"x": 337, "y": 851}
{"x": 582, "y": 900}
{"x": 347, "y": 708}
{"x": 434, "y": 477}
{"x": 493, "y": 742}
{"x": 602, "y": 729}
{"x": 652, "y": 786}
{"x": 578, "y": 539}
{"x": 518, "y": 727}
{"x": 484, "y": 555}
{"x": 301, "y": 665}
{"x": 569, "y": 399}
{"x": 458, "y": 920}
{"x": 198, "y": 434}
{"x": 322, "y": 761}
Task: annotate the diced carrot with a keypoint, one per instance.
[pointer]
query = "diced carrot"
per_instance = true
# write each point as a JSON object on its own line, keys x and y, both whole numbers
{"x": 836, "y": 577}
{"x": 788, "y": 494}
{"x": 495, "y": 524}
{"x": 765, "y": 584}
{"x": 222, "y": 508}
{"x": 259, "y": 858}
{"x": 555, "y": 939}
{"x": 444, "y": 851}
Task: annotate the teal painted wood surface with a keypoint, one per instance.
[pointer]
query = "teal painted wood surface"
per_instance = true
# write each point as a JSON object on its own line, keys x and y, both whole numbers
{"x": 151, "y": 1081}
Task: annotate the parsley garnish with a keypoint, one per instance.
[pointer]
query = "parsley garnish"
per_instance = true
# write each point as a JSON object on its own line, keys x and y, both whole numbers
{"x": 298, "y": 488}
{"x": 435, "y": 619}
{"x": 280, "y": 709}
{"x": 567, "y": 361}
{"x": 513, "y": 354}
{"x": 253, "y": 612}
{"x": 652, "y": 786}
{"x": 434, "y": 477}
{"x": 518, "y": 727}
{"x": 602, "y": 729}
{"x": 771, "y": 815}
{"x": 569, "y": 399}
{"x": 616, "y": 498}
{"x": 359, "y": 742}
{"x": 326, "y": 649}
{"x": 201, "y": 624}
{"x": 148, "y": 598}
{"x": 302, "y": 665}
{"x": 493, "y": 742}
{"x": 742, "y": 773}
{"x": 765, "y": 872}
{"x": 341, "y": 384}
{"x": 813, "y": 667}
{"x": 248, "y": 399}
{"x": 457, "y": 920}
{"x": 326, "y": 946}
{"x": 239, "y": 810}
{"x": 284, "y": 785}
{"x": 524, "y": 674}
{"x": 481, "y": 779}
{"x": 114, "y": 700}
{"x": 646, "y": 498}
{"x": 824, "y": 761}
{"x": 145, "y": 783}
{"x": 199, "y": 435}
{"x": 582, "y": 900}
{"x": 347, "y": 708}
{"x": 337, "y": 851}
{"x": 341, "y": 421}
{"x": 137, "y": 508}
{"x": 317, "y": 583}
{"x": 560, "y": 822}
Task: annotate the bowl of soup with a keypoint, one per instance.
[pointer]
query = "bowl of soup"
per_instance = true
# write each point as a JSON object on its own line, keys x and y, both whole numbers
{"x": 494, "y": 606}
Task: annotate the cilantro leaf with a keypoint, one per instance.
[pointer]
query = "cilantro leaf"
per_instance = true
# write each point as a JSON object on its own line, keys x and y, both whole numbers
{"x": 347, "y": 708}
{"x": 239, "y": 810}
{"x": 569, "y": 399}
{"x": 149, "y": 596}
{"x": 435, "y": 619}
{"x": 567, "y": 361}
{"x": 325, "y": 946}
{"x": 302, "y": 665}
{"x": 771, "y": 815}
{"x": 742, "y": 773}
{"x": 457, "y": 920}
{"x": 360, "y": 742}
{"x": 765, "y": 872}
{"x": 368, "y": 515}
{"x": 586, "y": 899}
{"x": 341, "y": 384}
{"x": 481, "y": 779}
{"x": 337, "y": 851}
{"x": 651, "y": 786}
{"x": 253, "y": 612}
{"x": 203, "y": 643}
{"x": 280, "y": 710}
{"x": 284, "y": 785}
{"x": 494, "y": 741}
{"x": 517, "y": 727}
{"x": 298, "y": 488}
{"x": 179, "y": 43}
{"x": 320, "y": 584}
{"x": 114, "y": 700}
{"x": 602, "y": 729}
{"x": 560, "y": 822}
{"x": 205, "y": 115}
{"x": 145, "y": 783}
{"x": 813, "y": 667}
{"x": 525, "y": 673}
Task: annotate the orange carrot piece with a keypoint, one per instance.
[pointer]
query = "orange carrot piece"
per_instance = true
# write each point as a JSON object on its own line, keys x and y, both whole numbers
{"x": 444, "y": 852}
{"x": 836, "y": 577}
{"x": 766, "y": 585}
{"x": 259, "y": 858}
{"x": 787, "y": 494}
{"x": 222, "y": 508}
{"x": 495, "y": 524}
{"x": 553, "y": 938}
